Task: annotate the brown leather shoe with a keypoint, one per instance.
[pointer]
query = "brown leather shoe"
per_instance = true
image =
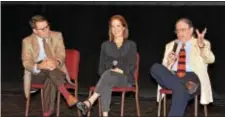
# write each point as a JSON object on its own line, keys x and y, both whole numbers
{"x": 71, "y": 100}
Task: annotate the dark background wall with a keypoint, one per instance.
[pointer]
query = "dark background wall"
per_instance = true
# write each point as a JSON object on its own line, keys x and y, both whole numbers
{"x": 85, "y": 27}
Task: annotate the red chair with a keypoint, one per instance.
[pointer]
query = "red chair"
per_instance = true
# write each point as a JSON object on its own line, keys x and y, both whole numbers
{"x": 72, "y": 61}
{"x": 37, "y": 86}
{"x": 167, "y": 91}
{"x": 124, "y": 90}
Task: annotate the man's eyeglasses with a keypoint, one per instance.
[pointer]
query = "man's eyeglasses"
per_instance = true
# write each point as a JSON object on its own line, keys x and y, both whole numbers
{"x": 44, "y": 28}
{"x": 181, "y": 30}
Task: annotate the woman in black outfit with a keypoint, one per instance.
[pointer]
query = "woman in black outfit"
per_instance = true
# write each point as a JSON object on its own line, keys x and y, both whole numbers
{"x": 116, "y": 67}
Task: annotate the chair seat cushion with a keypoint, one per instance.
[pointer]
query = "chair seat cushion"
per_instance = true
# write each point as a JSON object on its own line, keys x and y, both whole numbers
{"x": 39, "y": 86}
{"x": 166, "y": 91}
{"x": 69, "y": 86}
{"x": 118, "y": 89}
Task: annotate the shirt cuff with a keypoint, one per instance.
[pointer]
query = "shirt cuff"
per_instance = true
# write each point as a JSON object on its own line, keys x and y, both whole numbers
{"x": 35, "y": 70}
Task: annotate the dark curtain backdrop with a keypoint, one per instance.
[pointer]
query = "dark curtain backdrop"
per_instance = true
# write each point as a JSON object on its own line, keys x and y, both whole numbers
{"x": 85, "y": 27}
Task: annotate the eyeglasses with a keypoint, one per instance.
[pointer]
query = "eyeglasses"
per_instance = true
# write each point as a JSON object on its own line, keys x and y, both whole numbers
{"x": 44, "y": 28}
{"x": 181, "y": 30}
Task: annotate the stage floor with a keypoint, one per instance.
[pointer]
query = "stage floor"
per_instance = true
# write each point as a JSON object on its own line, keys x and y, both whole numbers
{"x": 13, "y": 104}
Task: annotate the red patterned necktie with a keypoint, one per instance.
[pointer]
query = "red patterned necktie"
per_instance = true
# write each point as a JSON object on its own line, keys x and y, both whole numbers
{"x": 181, "y": 67}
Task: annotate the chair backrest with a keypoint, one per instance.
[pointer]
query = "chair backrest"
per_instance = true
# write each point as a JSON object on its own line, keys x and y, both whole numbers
{"x": 72, "y": 61}
{"x": 136, "y": 72}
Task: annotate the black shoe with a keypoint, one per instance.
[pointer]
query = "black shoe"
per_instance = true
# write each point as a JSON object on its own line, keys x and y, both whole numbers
{"x": 82, "y": 107}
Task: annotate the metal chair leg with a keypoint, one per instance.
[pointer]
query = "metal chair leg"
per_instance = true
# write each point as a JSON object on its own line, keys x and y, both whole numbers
{"x": 122, "y": 104}
{"x": 27, "y": 106}
{"x": 159, "y": 104}
{"x": 196, "y": 106}
{"x": 205, "y": 110}
{"x": 164, "y": 106}
{"x": 137, "y": 104}
{"x": 42, "y": 98}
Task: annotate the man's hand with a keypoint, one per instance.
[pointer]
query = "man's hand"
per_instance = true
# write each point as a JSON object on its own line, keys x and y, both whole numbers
{"x": 43, "y": 65}
{"x": 171, "y": 57}
{"x": 118, "y": 70}
{"x": 52, "y": 63}
{"x": 200, "y": 37}
{"x": 48, "y": 64}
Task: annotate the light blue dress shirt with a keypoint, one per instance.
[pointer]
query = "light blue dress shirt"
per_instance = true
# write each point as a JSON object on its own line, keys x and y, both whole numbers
{"x": 42, "y": 54}
{"x": 187, "y": 48}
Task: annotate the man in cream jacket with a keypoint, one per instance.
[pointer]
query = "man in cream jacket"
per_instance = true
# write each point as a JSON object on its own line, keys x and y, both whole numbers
{"x": 192, "y": 64}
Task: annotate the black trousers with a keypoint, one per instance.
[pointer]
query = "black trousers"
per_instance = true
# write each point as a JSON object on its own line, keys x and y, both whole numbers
{"x": 108, "y": 80}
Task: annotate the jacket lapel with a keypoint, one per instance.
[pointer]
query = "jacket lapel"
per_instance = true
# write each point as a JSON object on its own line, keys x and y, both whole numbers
{"x": 35, "y": 46}
{"x": 193, "y": 53}
{"x": 50, "y": 42}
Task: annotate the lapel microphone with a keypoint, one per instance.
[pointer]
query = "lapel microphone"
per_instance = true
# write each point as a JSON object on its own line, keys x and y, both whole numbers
{"x": 115, "y": 62}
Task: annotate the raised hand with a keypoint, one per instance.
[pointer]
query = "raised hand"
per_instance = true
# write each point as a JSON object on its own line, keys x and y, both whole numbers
{"x": 200, "y": 37}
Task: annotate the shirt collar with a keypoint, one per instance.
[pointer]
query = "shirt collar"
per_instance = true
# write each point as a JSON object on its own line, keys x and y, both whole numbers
{"x": 186, "y": 43}
{"x": 39, "y": 38}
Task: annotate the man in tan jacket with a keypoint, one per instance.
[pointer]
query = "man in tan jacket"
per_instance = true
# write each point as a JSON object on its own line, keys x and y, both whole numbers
{"x": 184, "y": 67}
{"x": 43, "y": 55}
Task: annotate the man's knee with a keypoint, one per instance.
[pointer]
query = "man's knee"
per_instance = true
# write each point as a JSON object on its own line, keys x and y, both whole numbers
{"x": 57, "y": 72}
{"x": 154, "y": 70}
{"x": 155, "y": 67}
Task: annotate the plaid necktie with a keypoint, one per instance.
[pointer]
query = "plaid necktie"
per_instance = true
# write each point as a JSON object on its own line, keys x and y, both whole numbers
{"x": 47, "y": 49}
{"x": 181, "y": 67}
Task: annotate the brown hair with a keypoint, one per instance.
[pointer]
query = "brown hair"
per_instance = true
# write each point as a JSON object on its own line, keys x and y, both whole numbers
{"x": 124, "y": 23}
{"x": 187, "y": 21}
{"x": 35, "y": 19}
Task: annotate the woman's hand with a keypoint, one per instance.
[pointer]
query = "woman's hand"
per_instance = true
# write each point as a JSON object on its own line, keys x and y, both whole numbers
{"x": 118, "y": 70}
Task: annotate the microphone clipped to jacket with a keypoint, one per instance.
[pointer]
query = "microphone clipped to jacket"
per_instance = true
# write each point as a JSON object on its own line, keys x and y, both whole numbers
{"x": 114, "y": 63}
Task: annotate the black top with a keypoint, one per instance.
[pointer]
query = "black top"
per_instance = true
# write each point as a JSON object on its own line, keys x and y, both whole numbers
{"x": 125, "y": 56}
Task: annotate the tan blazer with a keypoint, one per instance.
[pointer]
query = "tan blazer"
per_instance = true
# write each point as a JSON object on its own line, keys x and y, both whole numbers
{"x": 199, "y": 62}
{"x": 30, "y": 53}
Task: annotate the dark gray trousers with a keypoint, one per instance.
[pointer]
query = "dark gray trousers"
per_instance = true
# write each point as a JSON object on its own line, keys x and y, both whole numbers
{"x": 104, "y": 86}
